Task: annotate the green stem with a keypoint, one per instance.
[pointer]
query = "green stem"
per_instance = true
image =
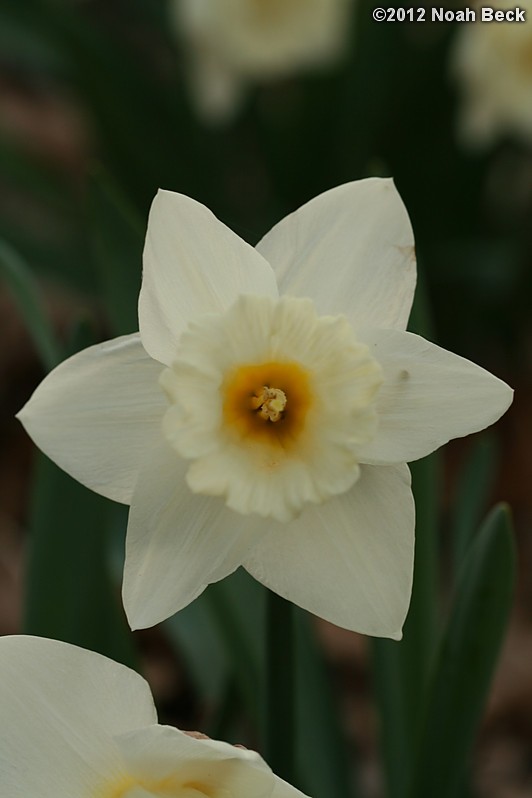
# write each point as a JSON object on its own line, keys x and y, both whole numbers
{"x": 279, "y": 711}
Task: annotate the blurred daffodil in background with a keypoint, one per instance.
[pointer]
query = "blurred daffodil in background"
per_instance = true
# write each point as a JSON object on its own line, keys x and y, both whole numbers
{"x": 492, "y": 65}
{"x": 248, "y": 428}
{"x": 75, "y": 723}
{"x": 231, "y": 44}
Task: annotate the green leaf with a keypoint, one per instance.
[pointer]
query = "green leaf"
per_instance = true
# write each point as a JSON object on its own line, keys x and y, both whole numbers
{"x": 197, "y": 639}
{"x": 220, "y": 636}
{"x": 325, "y": 768}
{"x": 226, "y": 723}
{"x": 394, "y": 737}
{"x": 279, "y": 700}
{"x": 466, "y": 661}
{"x": 117, "y": 236}
{"x": 474, "y": 484}
{"x": 421, "y": 626}
{"x": 235, "y": 606}
{"x": 69, "y": 593}
{"x": 23, "y": 288}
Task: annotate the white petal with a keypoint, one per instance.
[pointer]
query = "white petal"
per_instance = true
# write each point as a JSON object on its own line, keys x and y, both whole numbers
{"x": 97, "y": 413}
{"x": 428, "y": 397}
{"x": 162, "y": 753}
{"x": 350, "y": 559}
{"x": 59, "y": 707}
{"x": 177, "y": 542}
{"x": 350, "y": 249}
{"x": 193, "y": 264}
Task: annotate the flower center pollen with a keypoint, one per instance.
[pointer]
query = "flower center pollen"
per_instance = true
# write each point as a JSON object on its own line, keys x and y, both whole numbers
{"x": 258, "y": 412}
{"x": 270, "y": 403}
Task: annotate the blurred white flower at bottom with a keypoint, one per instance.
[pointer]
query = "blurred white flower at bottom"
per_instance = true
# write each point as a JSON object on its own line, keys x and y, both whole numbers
{"x": 492, "y": 62}
{"x": 78, "y": 725}
{"x": 231, "y": 43}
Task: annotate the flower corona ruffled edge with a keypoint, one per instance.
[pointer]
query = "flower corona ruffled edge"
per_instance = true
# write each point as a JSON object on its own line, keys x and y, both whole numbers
{"x": 329, "y": 379}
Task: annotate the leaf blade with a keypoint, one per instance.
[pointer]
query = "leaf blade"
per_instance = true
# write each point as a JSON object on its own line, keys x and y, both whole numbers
{"x": 467, "y": 658}
{"x": 23, "y": 288}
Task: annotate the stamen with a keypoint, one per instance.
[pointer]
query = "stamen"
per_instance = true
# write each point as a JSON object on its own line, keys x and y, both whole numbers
{"x": 270, "y": 403}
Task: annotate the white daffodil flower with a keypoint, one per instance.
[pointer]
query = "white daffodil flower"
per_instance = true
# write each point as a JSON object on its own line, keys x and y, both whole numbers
{"x": 230, "y": 43}
{"x": 271, "y": 432}
{"x": 78, "y": 725}
{"x": 493, "y": 64}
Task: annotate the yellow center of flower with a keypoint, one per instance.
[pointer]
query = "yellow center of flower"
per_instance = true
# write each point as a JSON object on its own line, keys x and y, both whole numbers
{"x": 270, "y": 403}
{"x": 267, "y": 402}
